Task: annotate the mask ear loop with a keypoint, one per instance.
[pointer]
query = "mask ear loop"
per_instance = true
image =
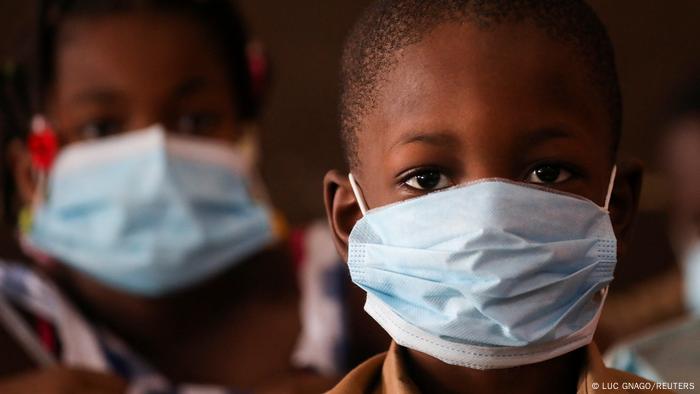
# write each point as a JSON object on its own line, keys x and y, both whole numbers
{"x": 358, "y": 194}
{"x": 611, "y": 186}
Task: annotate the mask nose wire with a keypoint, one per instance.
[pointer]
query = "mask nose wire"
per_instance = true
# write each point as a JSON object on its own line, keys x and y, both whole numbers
{"x": 611, "y": 186}
{"x": 363, "y": 207}
{"x": 358, "y": 194}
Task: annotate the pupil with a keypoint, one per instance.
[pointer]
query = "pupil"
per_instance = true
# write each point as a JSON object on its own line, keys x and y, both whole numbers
{"x": 428, "y": 180}
{"x": 548, "y": 174}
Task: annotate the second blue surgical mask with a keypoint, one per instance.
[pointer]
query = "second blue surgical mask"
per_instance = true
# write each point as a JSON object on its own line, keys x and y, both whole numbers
{"x": 691, "y": 277}
{"x": 150, "y": 213}
{"x": 493, "y": 274}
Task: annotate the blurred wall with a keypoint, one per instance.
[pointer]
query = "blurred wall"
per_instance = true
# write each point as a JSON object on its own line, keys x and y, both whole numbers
{"x": 657, "y": 48}
{"x": 301, "y": 142}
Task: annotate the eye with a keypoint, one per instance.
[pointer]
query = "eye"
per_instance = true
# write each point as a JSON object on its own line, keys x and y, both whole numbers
{"x": 549, "y": 174}
{"x": 101, "y": 128}
{"x": 196, "y": 123}
{"x": 428, "y": 180}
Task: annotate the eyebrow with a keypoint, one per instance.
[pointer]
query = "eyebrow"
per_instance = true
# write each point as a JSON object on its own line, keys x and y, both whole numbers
{"x": 190, "y": 87}
{"x": 542, "y": 135}
{"x": 446, "y": 139}
{"x": 439, "y": 139}
{"x": 110, "y": 96}
{"x": 100, "y": 95}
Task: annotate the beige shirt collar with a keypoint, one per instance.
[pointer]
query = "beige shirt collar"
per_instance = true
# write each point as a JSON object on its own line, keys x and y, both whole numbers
{"x": 387, "y": 373}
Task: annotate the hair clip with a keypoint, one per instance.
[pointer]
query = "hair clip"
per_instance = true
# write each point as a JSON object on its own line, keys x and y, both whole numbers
{"x": 43, "y": 144}
{"x": 259, "y": 69}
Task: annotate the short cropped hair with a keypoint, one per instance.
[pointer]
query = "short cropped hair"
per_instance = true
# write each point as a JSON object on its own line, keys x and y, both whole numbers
{"x": 388, "y": 26}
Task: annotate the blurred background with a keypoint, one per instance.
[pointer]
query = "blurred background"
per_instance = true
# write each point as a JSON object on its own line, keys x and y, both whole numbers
{"x": 657, "y": 49}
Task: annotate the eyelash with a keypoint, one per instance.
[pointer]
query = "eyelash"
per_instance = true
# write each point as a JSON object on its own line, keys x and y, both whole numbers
{"x": 412, "y": 173}
{"x": 574, "y": 170}
{"x": 99, "y": 124}
{"x": 405, "y": 177}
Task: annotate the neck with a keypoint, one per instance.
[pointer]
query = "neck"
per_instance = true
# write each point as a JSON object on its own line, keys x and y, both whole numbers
{"x": 265, "y": 277}
{"x": 559, "y": 375}
{"x": 203, "y": 324}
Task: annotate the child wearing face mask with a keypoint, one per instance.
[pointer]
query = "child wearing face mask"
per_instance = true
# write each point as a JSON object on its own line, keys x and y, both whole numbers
{"x": 484, "y": 211}
{"x": 158, "y": 264}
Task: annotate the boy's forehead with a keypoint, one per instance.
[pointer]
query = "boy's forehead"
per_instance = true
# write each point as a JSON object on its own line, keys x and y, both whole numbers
{"x": 509, "y": 77}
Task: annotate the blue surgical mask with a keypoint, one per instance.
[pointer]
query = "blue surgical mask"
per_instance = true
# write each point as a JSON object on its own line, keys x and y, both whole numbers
{"x": 149, "y": 213}
{"x": 492, "y": 274}
{"x": 691, "y": 277}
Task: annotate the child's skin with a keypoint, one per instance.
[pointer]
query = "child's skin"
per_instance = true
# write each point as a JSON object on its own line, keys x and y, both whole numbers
{"x": 126, "y": 72}
{"x": 465, "y": 104}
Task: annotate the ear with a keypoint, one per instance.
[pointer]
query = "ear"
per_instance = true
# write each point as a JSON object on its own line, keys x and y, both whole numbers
{"x": 20, "y": 163}
{"x": 624, "y": 202}
{"x": 342, "y": 209}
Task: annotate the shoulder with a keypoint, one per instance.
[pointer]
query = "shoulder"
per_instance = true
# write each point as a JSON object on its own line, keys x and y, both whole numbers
{"x": 599, "y": 379}
{"x": 15, "y": 359}
{"x": 365, "y": 378}
{"x": 19, "y": 287}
